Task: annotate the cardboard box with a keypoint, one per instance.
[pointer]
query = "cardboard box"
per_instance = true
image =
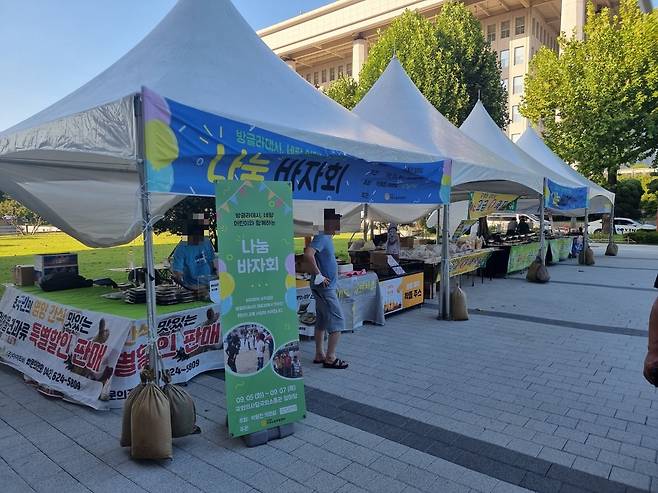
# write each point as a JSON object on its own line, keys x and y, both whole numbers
{"x": 23, "y": 275}
{"x": 407, "y": 241}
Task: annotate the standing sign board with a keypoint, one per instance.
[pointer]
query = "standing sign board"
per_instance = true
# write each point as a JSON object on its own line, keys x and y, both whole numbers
{"x": 264, "y": 384}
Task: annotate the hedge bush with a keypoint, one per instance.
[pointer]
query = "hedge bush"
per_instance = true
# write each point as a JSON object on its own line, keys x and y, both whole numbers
{"x": 646, "y": 237}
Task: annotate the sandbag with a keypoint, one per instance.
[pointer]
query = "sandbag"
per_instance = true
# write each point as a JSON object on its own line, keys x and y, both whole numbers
{"x": 458, "y": 304}
{"x": 589, "y": 256}
{"x": 183, "y": 412}
{"x": 581, "y": 257}
{"x": 538, "y": 272}
{"x": 127, "y": 407}
{"x": 150, "y": 425}
{"x": 612, "y": 249}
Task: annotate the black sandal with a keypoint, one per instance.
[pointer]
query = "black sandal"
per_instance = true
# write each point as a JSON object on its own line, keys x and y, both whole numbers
{"x": 337, "y": 364}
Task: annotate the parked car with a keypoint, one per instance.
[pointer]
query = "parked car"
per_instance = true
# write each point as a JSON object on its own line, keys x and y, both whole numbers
{"x": 623, "y": 225}
{"x": 499, "y": 221}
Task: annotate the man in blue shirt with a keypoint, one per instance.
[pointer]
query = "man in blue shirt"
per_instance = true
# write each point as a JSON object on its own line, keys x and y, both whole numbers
{"x": 193, "y": 262}
{"x": 321, "y": 256}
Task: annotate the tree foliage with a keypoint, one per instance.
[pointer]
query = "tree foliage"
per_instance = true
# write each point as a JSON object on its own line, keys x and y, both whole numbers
{"x": 628, "y": 198}
{"x": 23, "y": 219}
{"x": 343, "y": 91}
{"x": 598, "y": 100}
{"x": 177, "y": 218}
{"x": 449, "y": 61}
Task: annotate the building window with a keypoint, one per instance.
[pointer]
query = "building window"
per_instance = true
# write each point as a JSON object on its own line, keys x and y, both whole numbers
{"x": 515, "y": 137}
{"x": 491, "y": 33}
{"x": 504, "y": 29}
{"x": 332, "y": 73}
{"x": 504, "y": 58}
{"x": 519, "y": 55}
{"x": 519, "y": 25}
{"x": 503, "y": 83}
{"x": 324, "y": 75}
{"x": 348, "y": 69}
{"x": 516, "y": 116}
{"x": 340, "y": 71}
{"x": 316, "y": 79}
{"x": 517, "y": 85}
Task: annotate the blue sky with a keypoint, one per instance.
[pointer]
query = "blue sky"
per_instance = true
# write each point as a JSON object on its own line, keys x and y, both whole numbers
{"x": 52, "y": 47}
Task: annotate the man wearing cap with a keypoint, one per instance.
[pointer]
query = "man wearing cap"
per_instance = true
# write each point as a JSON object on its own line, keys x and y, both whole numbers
{"x": 321, "y": 256}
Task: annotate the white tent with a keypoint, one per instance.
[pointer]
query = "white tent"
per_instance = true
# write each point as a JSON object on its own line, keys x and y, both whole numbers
{"x": 600, "y": 199}
{"x": 480, "y": 126}
{"x": 76, "y": 161}
{"x": 395, "y": 104}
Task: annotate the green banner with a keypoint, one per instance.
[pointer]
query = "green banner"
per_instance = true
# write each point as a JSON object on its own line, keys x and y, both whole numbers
{"x": 264, "y": 384}
{"x": 521, "y": 256}
{"x": 481, "y": 204}
{"x": 560, "y": 248}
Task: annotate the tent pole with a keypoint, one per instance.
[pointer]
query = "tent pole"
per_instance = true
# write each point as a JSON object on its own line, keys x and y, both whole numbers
{"x": 365, "y": 222}
{"x": 147, "y": 219}
{"x": 438, "y": 236}
{"x": 585, "y": 232}
{"x": 445, "y": 262}
{"x": 611, "y": 230}
{"x": 542, "y": 235}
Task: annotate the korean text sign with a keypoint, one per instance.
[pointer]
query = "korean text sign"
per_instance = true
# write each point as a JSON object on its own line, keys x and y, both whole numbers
{"x": 483, "y": 203}
{"x": 559, "y": 198}
{"x": 264, "y": 384}
{"x": 187, "y": 150}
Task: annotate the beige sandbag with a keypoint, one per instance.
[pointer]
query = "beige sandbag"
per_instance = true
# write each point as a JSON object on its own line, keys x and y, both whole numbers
{"x": 458, "y": 304}
{"x": 531, "y": 275}
{"x": 589, "y": 256}
{"x": 581, "y": 257}
{"x": 542, "y": 274}
{"x": 612, "y": 249}
{"x": 127, "y": 407}
{"x": 183, "y": 412}
{"x": 151, "y": 425}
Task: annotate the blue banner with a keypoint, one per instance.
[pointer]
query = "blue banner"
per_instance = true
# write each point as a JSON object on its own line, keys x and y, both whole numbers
{"x": 559, "y": 198}
{"x": 187, "y": 150}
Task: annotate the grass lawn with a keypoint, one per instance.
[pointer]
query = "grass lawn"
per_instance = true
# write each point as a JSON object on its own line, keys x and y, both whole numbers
{"x": 95, "y": 262}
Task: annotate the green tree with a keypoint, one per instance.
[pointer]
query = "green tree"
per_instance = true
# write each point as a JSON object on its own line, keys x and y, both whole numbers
{"x": 23, "y": 219}
{"x": 598, "y": 100}
{"x": 628, "y": 198}
{"x": 177, "y": 218}
{"x": 450, "y": 62}
{"x": 343, "y": 91}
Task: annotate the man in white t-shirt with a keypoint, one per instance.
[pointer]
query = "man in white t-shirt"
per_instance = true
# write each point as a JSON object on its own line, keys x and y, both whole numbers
{"x": 260, "y": 351}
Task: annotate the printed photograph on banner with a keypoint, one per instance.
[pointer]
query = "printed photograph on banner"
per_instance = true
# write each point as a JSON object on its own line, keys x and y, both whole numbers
{"x": 287, "y": 361}
{"x": 248, "y": 348}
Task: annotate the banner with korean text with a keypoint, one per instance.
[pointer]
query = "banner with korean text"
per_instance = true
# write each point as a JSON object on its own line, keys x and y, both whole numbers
{"x": 264, "y": 383}
{"x": 482, "y": 204}
{"x": 70, "y": 351}
{"x": 469, "y": 262}
{"x": 187, "y": 150}
{"x": 94, "y": 358}
{"x": 560, "y": 198}
{"x": 521, "y": 256}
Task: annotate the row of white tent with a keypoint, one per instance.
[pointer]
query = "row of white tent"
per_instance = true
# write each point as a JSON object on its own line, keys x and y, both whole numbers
{"x": 77, "y": 162}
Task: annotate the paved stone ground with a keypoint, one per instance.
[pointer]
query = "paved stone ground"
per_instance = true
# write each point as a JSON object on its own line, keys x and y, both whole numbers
{"x": 541, "y": 388}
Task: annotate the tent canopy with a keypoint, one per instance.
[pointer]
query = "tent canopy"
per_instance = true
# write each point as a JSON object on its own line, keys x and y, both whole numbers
{"x": 395, "y": 104}
{"x": 600, "y": 199}
{"x": 76, "y": 161}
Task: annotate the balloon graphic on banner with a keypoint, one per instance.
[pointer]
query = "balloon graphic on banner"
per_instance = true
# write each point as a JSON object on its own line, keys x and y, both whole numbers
{"x": 290, "y": 264}
{"x": 226, "y": 285}
{"x": 226, "y": 305}
{"x": 291, "y": 298}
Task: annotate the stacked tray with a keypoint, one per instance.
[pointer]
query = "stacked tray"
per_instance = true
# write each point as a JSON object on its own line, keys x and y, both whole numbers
{"x": 135, "y": 295}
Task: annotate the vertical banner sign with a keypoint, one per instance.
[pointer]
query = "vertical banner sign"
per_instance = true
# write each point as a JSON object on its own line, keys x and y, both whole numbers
{"x": 482, "y": 204}
{"x": 264, "y": 384}
{"x": 559, "y": 198}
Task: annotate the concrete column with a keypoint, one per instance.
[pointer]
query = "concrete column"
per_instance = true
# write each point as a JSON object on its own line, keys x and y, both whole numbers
{"x": 572, "y": 18}
{"x": 358, "y": 56}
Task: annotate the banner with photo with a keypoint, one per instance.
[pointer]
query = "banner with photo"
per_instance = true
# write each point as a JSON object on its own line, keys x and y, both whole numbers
{"x": 462, "y": 264}
{"x": 559, "y": 198}
{"x": 481, "y": 204}
{"x": 264, "y": 383}
{"x": 70, "y": 351}
{"x": 187, "y": 150}
{"x": 95, "y": 358}
{"x": 189, "y": 343}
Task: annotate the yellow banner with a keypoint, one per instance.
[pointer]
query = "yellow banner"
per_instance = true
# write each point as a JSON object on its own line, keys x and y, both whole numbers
{"x": 483, "y": 203}
{"x": 462, "y": 264}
